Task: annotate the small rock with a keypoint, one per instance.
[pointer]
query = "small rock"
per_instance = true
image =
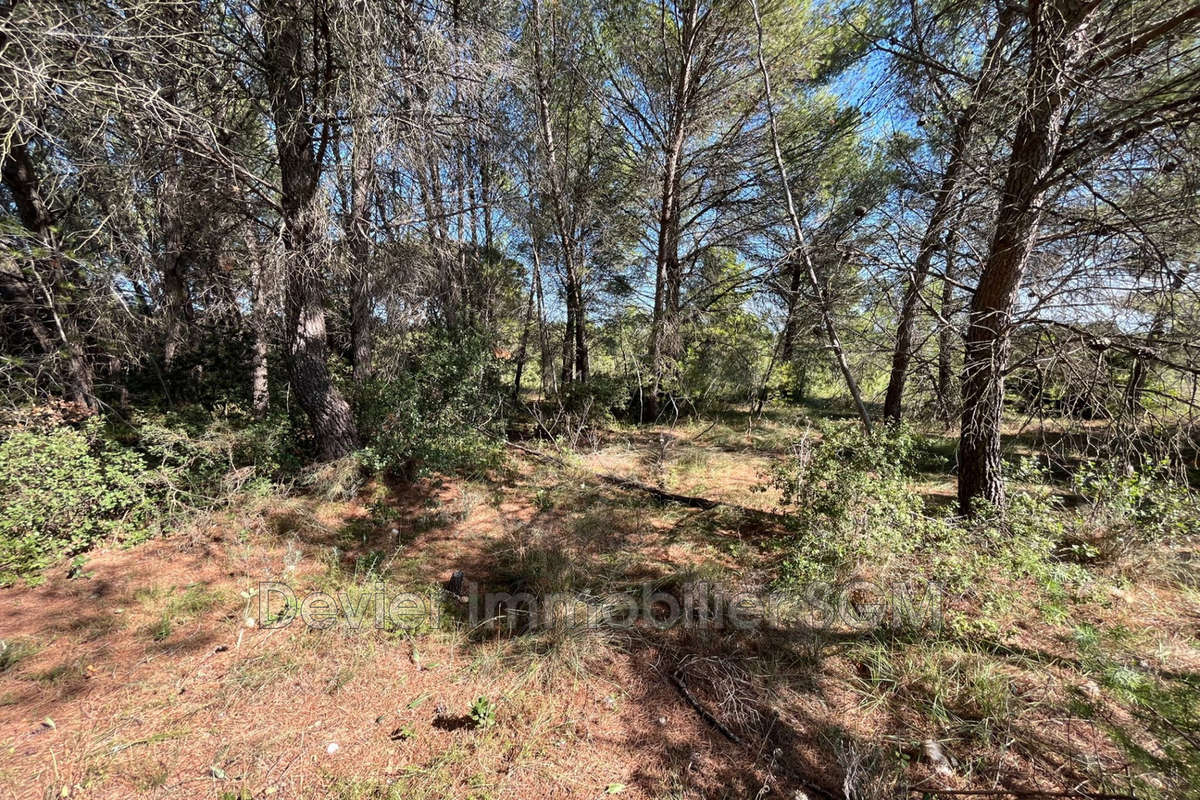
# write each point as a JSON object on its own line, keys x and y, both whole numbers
{"x": 934, "y": 755}
{"x": 662, "y": 720}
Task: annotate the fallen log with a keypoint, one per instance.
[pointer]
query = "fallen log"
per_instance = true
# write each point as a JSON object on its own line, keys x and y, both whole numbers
{"x": 670, "y": 497}
{"x": 691, "y": 501}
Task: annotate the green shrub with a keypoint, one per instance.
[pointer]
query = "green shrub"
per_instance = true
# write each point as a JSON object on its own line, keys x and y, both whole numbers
{"x": 594, "y": 402}
{"x": 198, "y": 449}
{"x": 483, "y": 713}
{"x": 438, "y": 412}
{"x": 850, "y": 499}
{"x": 1138, "y": 505}
{"x": 65, "y": 486}
{"x": 853, "y": 505}
{"x": 62, "y": 489}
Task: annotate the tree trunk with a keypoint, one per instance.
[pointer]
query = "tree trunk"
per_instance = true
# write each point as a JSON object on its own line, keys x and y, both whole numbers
{"x": 361, "y": 294}
{"x": 943, "y": 205}
{"x": 260, "y": 392}
{"x": 304, "y": 290}
{"x": 545, "y": 356}
{"x": 819, "y": 286}
{"x": 176, "y": 302}
{"x": 523, "y": 348}
{"x": 21, "y": 179}
{"x": 667, "y": 275}
{"x": 567, "y": 373}
{"x": 792, "y": 323}
{"x": 930, "y": 241}
{"x": 1059, "y": 39}
{"x": 948, "y": 395}
{"x": 575, "y": 356}
{"x": 582, "y": 365}
{"x": 1140, "y": 371}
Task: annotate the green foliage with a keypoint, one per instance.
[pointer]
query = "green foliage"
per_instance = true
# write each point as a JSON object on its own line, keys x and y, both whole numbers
{"x": 594, "y": 402}
{"x": 175, "y": 606}
{"x": 434, "y": 414}
{"x": 13, "y": 651}
{"x": 1160, "y": 745}
{"x": 728, "y": 346}
{"x": 483, "y": 713}
{"x": 201, "y": 455}
{"x": 850, "y": 499}
{"x": 854, "y": 507}
{"x": 1143, "y": 505}
{"x": 62, "y": 489}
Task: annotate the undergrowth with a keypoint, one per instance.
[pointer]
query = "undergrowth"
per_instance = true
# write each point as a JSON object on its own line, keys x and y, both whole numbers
{"x": 67, "y": 484}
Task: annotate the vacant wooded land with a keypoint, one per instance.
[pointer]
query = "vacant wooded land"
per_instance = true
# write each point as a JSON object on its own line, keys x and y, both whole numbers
{"x": 573, "y": 398}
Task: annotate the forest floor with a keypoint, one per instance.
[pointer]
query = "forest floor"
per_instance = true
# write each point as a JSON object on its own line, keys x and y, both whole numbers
{"x": 145, "y": 671}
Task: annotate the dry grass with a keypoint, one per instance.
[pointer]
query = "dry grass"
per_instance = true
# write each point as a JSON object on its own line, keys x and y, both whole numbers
{"x": 145, "y": 679}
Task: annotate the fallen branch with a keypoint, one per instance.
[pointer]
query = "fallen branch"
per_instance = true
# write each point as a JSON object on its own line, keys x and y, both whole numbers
{"x": 704, "y": 713}
{"x": 671, "y": 497}
{"x": 809, "y": 787}
{"x": 706, "y": 503}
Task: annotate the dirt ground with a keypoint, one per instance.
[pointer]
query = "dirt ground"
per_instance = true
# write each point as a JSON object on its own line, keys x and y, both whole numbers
{"x": 147, "y": 673}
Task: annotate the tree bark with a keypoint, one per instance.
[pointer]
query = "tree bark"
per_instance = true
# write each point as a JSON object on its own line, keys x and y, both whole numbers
{"x": 176, "y": 302}
{"x": 1059, "y": 38}
{"x": 931, "y": 240}
{"x": 45, "y": 277}
{"x": 361, "y": 289}
{"x": 667, "y": 274}
{"x": 260, "y": 391}
{"x": 948, "y": 394}
{"x": 792, "y": 323}
{"x": 304, "y": 290}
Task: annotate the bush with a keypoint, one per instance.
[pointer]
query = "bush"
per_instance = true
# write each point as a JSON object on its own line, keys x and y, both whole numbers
{"x": 67, "y": 483}
{"x": 850, "y": 499}
{"x": 62, "y": 489}
{"x": 202, "y": 456}
{"x": 854, "y": 506}
{"x": 1139, "y": 504}
{"x": 1133, "y": 516}
{"x": 580, "y": 412}
{"x": 438, "y": 412}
